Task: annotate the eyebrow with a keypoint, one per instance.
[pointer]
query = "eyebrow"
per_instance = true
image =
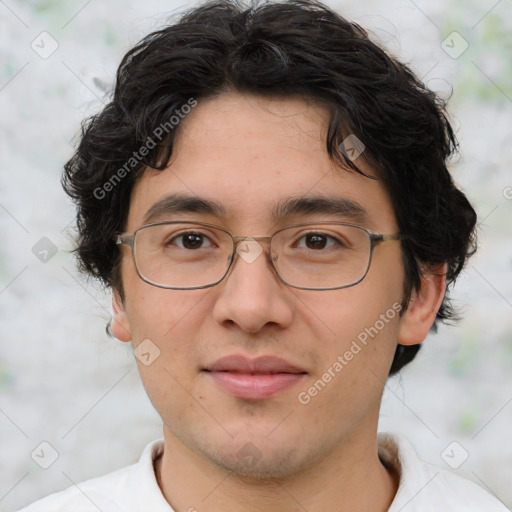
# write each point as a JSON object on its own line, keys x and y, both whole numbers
{"x": 325, "y": 205}
{"x": 301, "y": 205}
{"x": 181, "y": 203}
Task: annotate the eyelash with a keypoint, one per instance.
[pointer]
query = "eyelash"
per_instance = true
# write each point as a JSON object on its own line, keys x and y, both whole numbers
{"x": 186, "y": 233}
{"x": 206, "y": 237}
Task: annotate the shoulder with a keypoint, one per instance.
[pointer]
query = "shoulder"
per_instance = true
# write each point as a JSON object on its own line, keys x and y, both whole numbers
{"x": 425, "y": 488}
{"x": 119, "y": 491}
{"x": 91, "y": 495}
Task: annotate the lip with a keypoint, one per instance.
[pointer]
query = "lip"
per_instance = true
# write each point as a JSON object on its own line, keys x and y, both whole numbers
{"x": 254, "y": 379}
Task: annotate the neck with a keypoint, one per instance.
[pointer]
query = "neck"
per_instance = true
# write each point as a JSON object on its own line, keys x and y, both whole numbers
{"x": 352, "y": 478}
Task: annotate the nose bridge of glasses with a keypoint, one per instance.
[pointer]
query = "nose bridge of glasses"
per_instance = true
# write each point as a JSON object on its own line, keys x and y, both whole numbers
{"x": 249, "y": 249}
{"x": 239, "y": 239}
{"x": 243, "y": 244}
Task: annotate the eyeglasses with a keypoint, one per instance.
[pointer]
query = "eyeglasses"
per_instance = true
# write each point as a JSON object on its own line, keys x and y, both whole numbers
{"x": 186, "y": 255}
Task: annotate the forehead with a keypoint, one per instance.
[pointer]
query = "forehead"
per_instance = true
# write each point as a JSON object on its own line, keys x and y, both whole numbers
{"x": 253, "y": 154}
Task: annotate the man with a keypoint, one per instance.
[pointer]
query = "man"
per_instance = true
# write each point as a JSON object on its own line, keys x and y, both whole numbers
{"x": 267, "y": 195}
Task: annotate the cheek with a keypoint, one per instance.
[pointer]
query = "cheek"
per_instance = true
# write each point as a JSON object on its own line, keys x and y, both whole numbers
{"x": 348, "y": 314}
{"x": 365, "y": 337}
{"x": 355, "y": 365}
{"x": 153, "y": 312}
{"x": 363, "y": 323}
{"x": 168, "y": 319}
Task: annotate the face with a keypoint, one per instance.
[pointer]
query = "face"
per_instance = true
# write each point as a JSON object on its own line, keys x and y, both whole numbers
{"x": 248, "y": 154}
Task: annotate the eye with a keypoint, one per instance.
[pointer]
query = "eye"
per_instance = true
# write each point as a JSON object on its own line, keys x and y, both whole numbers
{"x": 317, "y": 241}
{"x": 190, "y": 240}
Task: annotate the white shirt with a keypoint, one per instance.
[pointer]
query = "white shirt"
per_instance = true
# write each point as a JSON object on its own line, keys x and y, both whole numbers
{"x": 423, "y": 488}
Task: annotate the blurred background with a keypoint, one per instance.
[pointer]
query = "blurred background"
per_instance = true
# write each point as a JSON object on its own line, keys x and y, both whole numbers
{"x": 65, "y": 383}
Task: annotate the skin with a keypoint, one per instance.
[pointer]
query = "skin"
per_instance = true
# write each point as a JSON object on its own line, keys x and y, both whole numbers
{"x": 248, "y": 152}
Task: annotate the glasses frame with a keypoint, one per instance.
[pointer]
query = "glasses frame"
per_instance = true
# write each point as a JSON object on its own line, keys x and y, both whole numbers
{"x": 128, "y": 239}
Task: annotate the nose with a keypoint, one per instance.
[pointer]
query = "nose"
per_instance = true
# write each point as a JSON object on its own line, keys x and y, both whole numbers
{"x": 252, "y": 295}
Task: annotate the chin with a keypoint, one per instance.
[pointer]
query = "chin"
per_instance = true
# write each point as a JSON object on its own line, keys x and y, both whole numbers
{"x": 251, "y": 465}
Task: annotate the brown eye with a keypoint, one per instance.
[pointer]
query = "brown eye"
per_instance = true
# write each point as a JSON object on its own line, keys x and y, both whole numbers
{"x": 315, "y": 241}
{"x": 190, "y": 240}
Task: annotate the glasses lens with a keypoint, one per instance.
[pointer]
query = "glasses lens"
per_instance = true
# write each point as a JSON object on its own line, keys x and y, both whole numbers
{"x": 182, "y": 255}
{"x": 312, "y": 256}
{"x": 321, "y": 256}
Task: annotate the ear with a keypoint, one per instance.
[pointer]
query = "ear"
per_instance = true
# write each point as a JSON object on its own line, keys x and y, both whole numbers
{"x": 120, "y": 325}
{"x": 423, "y": 307}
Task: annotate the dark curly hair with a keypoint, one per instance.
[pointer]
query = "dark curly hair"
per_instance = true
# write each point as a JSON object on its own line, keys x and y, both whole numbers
{"x": 299, "y": 48}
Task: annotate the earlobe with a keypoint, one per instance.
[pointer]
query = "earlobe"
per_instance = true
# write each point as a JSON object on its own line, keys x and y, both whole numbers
{"x": 120, "y": 325}
{"x": 423, "y": 307}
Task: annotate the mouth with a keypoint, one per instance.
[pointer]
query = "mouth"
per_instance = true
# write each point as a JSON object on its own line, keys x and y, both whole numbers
{"x": 254, "y": 379}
